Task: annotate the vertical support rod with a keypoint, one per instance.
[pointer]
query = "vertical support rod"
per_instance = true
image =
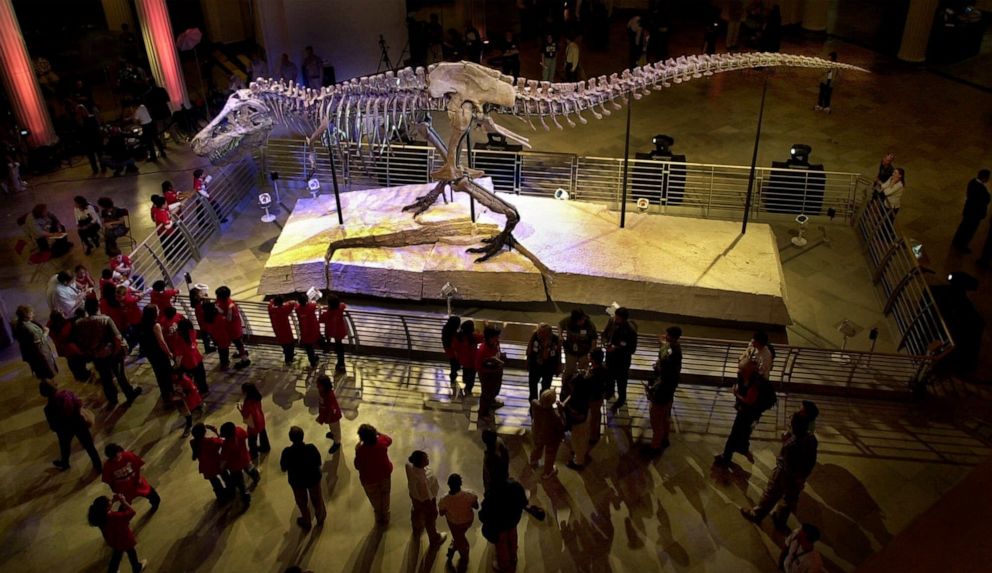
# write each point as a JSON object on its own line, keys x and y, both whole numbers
{"x": 754, "y": 159}
{"x": 471, "y": 165}
{"x": 334, "y": 181}
{"x": 626, "y": 163}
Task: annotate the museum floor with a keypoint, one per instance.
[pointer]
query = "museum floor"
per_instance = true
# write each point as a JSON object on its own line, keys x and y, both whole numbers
{"x": 881, "y": 464}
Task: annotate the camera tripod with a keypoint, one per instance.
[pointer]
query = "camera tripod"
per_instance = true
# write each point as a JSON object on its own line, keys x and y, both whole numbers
{"x": 385, "y": 63}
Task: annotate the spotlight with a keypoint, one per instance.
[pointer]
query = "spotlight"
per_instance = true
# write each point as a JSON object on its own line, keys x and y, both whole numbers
{"x": 25, "y": 132}
{"x": 274, "y": 176}
{"x": 800, "y": 239}
{"x": 448, "y": 292}
{"x": 963, "y": 281}
{"x": 561, "y": 194}
{"x": 643, "y": 204}
{"x": 314, "y": 186}
{"x": 264, "y": 200}
{"x": 662, "y": 146}
{"x": 800, "y": 153}
{"x": 496, "y": 141}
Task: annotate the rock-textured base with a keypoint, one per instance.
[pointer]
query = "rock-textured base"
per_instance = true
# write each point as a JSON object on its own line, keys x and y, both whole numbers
{"x": 573, "y": 252}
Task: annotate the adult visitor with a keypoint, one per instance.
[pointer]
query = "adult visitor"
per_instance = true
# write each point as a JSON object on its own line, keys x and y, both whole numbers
{"x": 543, "y": 359}
{"x": 67, "y": 417}
{"x": 301, "y": 462}
{"x": 547, "y": 430}
{"x": 375, "y": 469}
{"x": 458, "y": 508}
{"x": 36, "y": 349}
{"x": 423, "y": 488}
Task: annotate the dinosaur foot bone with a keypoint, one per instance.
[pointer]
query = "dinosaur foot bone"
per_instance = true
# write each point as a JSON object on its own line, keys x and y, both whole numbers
{"x": 424, "y": 202}
{"x": 494, "y": 246}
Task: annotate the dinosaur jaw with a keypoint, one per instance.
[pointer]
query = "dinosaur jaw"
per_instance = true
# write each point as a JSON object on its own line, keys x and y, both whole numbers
{"x": 243, "y": 124}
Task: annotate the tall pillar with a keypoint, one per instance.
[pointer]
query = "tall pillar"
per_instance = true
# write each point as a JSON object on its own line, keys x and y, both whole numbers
{"x": 117, "y": 12}
{"x": 20, "y": 81}
{"x": 815, "y": 15}
{"x": 270, "y": 17}
{"x": 916, "y": 33}
{"x": 161, "y": 48}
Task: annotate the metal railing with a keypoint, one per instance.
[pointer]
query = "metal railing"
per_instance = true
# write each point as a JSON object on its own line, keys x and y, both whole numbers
{"x": 900, "y": 278}
{"x": 675, "y": 188}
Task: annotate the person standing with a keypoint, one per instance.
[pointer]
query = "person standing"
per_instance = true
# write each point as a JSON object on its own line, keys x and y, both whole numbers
{"x": 63, "y": 296}
{"x": 578, "y": 336}
{"x": 576, "y": 407}
{"x": 161, "y": 296}
{"x": 448, "y": 333}
{"x": 306, "y": 317}
{"x": 113, "y": 517}
{"x": 36, "y": 349}
{"x": 100, "y": 341}
{"x": 237, "y": 460}
{"x": 661, "y": 391}
{"x": 230, "y": 316}
{"x": 759, "y": 352}
{"x": 893, "y": 189}
{"x": 502, "y": 507}
{"x": 335, "y": 328}
{"x": 254, "y": 418}
{"x": 149, "y": 133}
{"x": 795, "y": 463}
{"x": 423, "y": 488}
{"x": 464, "y": 345}
{"x": 489, "y": 361}
{"x": 60, "y": 332}
{"x": 157, "y": 351}
{"x": 620, "y": 339}
{"x": 886, "y": 167}
{"x": 65, "y": 415}
{"x": 122, "y": 472}
{"x": 207, "y": 451}
{"x": 543, "y": 359}
{"x": 976, "y": 207}
{"x": 88, "y": 223}
{"x": 799, "y": 554}
{"x": 199, "y": 294}
{"x": 746, "y": 392}
{"x": 458, "y": 508}
{"x": 288, "y": 71}
{"x": 301, "y": 461}
{"x": 190, "y": 358}
{"x": 827, "y": 82}
{"x": 600, "y": 384}
{"x": 548, "y": 431}
{"x": 313, "y": 69}
{"x": 495, "y": 459}
{"x": 279, "y": 313}
{"x": 329, "y": 411}
{"x": 164, "y": 226}
{"x": 375, "y": 469}
{"x": 571, "y": 60}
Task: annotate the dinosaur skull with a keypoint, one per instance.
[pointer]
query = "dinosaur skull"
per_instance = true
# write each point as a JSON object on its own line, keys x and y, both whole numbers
{"x": 244, "y": 123}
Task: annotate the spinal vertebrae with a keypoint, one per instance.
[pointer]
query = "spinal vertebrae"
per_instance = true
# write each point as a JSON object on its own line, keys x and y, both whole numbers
{"x": 372, "y": 109}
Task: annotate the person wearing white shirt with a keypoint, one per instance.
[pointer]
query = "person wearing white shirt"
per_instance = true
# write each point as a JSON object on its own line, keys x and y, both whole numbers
{"x": 759, "y": 353}
{"x": 893, "y": 189}
{"x": 423, "y": 489}
{"x": 149, "y": 133}
{"x": 63, "y": 296}
{"x": 458, "y": 507}
{"x": 88, "y": 223}
{"x": 799, "y": 554}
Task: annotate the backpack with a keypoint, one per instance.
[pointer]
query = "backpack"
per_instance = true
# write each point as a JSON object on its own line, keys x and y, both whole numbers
{"x": 766, "y": 396}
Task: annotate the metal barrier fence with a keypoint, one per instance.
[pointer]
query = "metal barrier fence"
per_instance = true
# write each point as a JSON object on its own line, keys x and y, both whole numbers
{"x": 899, "y": 275}
{"x": 692, "y": 189}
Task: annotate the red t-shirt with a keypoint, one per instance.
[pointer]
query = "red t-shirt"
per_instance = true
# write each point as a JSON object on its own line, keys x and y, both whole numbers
{"x": 251, "y": 412}
{"x": 218, "y": 331}
{"x": 281, "y": 325}
{"x": 483, "y": 353}
{"x": 188, "y": 352}
{"x": 170, "y": 331}
{"x": 120, "y": 260}
{"x": 465, "y": 350}
{"x": 162, "y": 300}
{"x": 132, "y": 314}
{"x": 334, "y": 324}
{"x": 186, "y": 390}
{"x": 117, "y": 530}
{"x": 161, "y": 219}
{"x": 171, "y": 197}
{"x": 235, "y": 450}
{"x": 330, "y": 410}
{"x": 123, "y": 475}
{"x": 116, "y": 314}
{"x": 232, "y": 318}
{"x": 209, "y": 456}
{"x": 372, "y": 462}
{"x": 306, "y": 314}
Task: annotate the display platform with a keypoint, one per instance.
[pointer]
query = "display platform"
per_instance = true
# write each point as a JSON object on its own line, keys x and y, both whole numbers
{"x": 567, "y": 251}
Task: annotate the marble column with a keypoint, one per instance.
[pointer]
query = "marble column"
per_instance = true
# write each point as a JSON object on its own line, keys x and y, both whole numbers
{"x": 117, "y": 12}
{"x": 815, "y": 15}
{"x": 17, "y": 73}
{"x": 916, "y": 33}
{"x": 160, "y": 46}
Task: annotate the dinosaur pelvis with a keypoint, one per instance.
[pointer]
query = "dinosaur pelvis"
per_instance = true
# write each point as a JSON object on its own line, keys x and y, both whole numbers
{"x": 471, "y": 82}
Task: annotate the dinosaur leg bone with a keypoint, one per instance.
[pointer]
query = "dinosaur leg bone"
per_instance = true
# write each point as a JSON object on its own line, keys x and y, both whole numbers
{"x": 494, "y": 245}
{"x": 460, "y": 117}
{"x": 424, "y": 202}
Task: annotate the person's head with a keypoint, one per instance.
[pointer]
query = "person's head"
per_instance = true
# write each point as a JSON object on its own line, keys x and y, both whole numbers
{"x": 324, "y": 383}
{"x": 491, "y": 334}
{"x": 185, "y": 329}
{"x": 114, "y": 251}
{"x": 578, "y": 316}
{"x": 467, "y": 328}
{"x": 227, "y": 430}
{"x": 367, "y": 434}
{"x": 747, "y": 370}
{"x": 80, "y": 201}
{"x": 832, "y": 56}
{"x": 983, "y": 175}
{"x": 899, "y": 175}
{"x": 91, "y": 306}
{"x": 760, "y": 339}
{"x": 112, "y": 451}
{"x": 120, "y": 293}
{"x": 597, "y": 356}
{"x": 549, "y": 39}
{"x": 621, "y": 315}
{"x": 888, "y": 158}
{"x": 107, "y": 274}
{"x": 548, "y": 398}
{"x": 810, "y": 410}
{"x": 800, "y": 424}
{"x": 419, "y": 459}
{"x": 167, "y": 186}
{"x": 64, "y": 278}
{"x": 158, "y": 286}
{"x": 222, "y": 293}
{"x": 296, "y": 435}
{"x": 197, "y": 173}
{"x": 39, "y": 211}
{"x": 80, "y": 312}
{"x": 333, "y": 301}
{"x": 673, "y": 333}
{"x": 250, "y": 392}
{"x": 25, "y": 312}
{"x": 452, "y": 323}
{"x": 455, "y": 483}
{"x": 278, "y": 300}
{"x": 199, "y": 431}
{"x": 149, "y": 315}
{"x": 97, "y": 514}
{"x": 158, "y": 201}
{"x": 169, "y": 313}
{"x": 81, "y": 271}
{"x": 489, "y": 438}
{"x": 808, "y": 535}
{"x": 105, "y": 202}
{"x": 47, "y": 388}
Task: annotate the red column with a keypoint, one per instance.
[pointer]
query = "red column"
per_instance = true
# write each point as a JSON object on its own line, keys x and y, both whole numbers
{"x": 160, "y": 46}
{"x": 20, "y": 81}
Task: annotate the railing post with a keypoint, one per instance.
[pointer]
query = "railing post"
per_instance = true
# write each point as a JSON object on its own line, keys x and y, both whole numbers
{"x": 353, "y": 333}
{"x": 204, "y": 206}
{"x": 409, "y": 341}
{"x": 188, "y": 237}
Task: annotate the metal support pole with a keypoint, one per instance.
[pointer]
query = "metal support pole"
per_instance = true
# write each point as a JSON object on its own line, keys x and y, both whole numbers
{"x": 471, "y": 165}
{"x": 754, "y": 159}
{"x": 626, "y": 162}
{"x": 334, "y": 181}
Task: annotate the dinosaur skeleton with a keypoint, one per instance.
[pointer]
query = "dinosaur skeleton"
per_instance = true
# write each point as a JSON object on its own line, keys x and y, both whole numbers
{"x": 374, "y": 109}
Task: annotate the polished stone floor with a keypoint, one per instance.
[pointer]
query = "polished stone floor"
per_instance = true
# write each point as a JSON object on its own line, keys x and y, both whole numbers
{"x": 881, "y": 464}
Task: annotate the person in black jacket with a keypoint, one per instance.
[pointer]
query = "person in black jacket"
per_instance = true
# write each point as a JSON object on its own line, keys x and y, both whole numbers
{"x": 302, "y": 462}
{"x": 795, "y": 463}
{"x": 620, "y": 340}
{"x": 976, "y": 207}
{"x": 502, "y": 507}
{"x": 661, "y": 391}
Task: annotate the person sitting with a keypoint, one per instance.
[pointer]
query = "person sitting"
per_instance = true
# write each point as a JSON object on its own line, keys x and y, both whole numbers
{"x": 118, "y": 156}
{"x": 48, "y": 232}
{"x": 114, "y": 223}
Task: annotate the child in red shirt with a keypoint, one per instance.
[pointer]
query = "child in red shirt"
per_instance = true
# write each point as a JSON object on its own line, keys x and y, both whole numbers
{"x": 464, "y": 346}
{"x": 489, "y": 360}
{"x": 231, "y": 320}
{"x": 207, "y": 450}
{"x": 188, "y": 353}
{"x": 330, "y": 411}
{"x": 237, "y": 460}
{"x": 122, "y": 472}
{"x": 335, "y": 328}
{"x": 114, "y": 520}
{"x": 251, "y": 412}
{"x": 161, "y": 296}
{"x": 186, "y": 398}
{"x": 306, "y": 316}
{"x": 279, "y": 314}
{"x": 169, "y": 320}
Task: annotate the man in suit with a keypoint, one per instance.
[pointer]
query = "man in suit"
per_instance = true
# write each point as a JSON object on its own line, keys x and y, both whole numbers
{"x": 976, "y": 206}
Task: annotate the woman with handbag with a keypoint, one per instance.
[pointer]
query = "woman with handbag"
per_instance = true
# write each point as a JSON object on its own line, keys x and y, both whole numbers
{"x": 88, "y": 223}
